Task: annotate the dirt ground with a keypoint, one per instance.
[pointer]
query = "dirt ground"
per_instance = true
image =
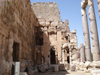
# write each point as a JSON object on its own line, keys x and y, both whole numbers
{"x": 63, "y": 73}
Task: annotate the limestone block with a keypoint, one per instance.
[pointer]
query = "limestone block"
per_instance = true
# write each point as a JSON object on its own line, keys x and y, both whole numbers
{"x": 61, "y": 67}
{"x": 98, "y": 1}
{"x": 30, "y": 72}
{"x": 92, "y": 17}
{"x": 67, "y": 66}
{"x": 56, "y": 68}
{"x": 73, "y": 32}
{"x": 95, "y": 49}
{"x": 72, "y": 67}
{"x": 84, "y": 4}
{"x": 87, "y": 64}
{"x": 23, "y": 65}
{"x": 65, "y": 45}
{"x": 99, "y": 6}
{"x": 90, "y": 2}
{"x": 93, "y": 36}
{"x": 23, "y": 73}
{"x": 54, "y": 23}
{"x": 3, "y": 67}
{"x": 93, "y": 28}
{"x": 47, "y": 23}
{"x": 86, "y": 70}
{"x": 42, "y": 68}
{"x": 95, "y": 72}
{"x": 83, "y": 12}
{"x": 95, "y": 43}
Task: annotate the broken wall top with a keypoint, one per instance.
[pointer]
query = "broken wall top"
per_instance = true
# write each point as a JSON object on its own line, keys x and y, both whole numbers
{"x": 47, "y": 11}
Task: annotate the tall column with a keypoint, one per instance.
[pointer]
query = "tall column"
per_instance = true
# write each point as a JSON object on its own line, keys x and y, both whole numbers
{"x": 86, "y": 35}
{"x": 98, "y": 7}
{"x": 94, "y": 32}
{"x": 45, "y": 45}
{"x": 59, "y": 45}
{"x": 82, "y": 52}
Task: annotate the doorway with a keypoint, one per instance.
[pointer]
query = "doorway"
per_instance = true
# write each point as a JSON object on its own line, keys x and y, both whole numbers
{"x": 15, "y": 55}
{"x": 68, "y": 60}
{"x": 53, "y": 57}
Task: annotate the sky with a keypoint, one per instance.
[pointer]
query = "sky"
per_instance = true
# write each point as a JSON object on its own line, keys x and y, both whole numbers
{"x": 71, "y": 10}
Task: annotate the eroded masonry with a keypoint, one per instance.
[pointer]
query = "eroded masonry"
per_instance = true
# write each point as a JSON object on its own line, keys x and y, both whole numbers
{"x": 33, "y": 39}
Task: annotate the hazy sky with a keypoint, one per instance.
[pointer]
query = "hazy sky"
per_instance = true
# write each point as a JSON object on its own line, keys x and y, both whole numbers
{"x": 71, "y": 10}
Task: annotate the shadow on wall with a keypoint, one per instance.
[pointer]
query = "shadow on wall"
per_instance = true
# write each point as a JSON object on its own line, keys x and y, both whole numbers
{"x": 46, "y": 49}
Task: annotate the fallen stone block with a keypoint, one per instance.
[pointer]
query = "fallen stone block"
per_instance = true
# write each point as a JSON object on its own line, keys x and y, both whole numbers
{"x": 72, "y": 67}
{"x": 61, "y": 67}
{"x": 95, "y": 72}
{"x": 42, "y": 68}
{"x": 23, "y": 73}
{"x": 56, "y": 68}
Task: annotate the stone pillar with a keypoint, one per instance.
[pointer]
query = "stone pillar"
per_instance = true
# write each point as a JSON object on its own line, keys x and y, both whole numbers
{"x": 98, "y": 7}
{"x": 45, "y": 45}
{"x": 63, "y": 60}
{"x": 86, "y": 35}
{"x": 94, "y": 32}
{"x": 82, "y": 52}
{"x": 59, "y": 45}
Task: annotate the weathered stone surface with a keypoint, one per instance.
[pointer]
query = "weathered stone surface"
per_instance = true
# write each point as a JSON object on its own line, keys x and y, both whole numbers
{"x": 41, "y": 68}
{"x": 61, "y": 67}
{"x": 72, "y": 67}
{"x": 93, "y": 29}
{"x": 23, "y": 73}
{"x": 56, "y": 68}
{"x": 16, "y": 27}
{"x": 86, "y": 34}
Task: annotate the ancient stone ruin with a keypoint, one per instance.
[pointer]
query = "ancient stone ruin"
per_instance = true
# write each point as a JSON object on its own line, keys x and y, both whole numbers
{"x": 34, "y": 39}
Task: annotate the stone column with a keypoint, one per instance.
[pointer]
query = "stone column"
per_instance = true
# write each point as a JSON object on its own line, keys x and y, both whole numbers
{"x": 86, "y": 35}
{"x": 59, "y": 45}
{"x": 82, "y": 52}
{"x": 45, "y": 45}
{"x": 63, "y": 60}
{"x": 98, "y": 7}
{"x": 94, "y": 32}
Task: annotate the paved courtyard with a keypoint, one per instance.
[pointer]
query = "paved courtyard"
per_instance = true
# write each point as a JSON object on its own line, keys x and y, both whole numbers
{"x": 63, "y": 73}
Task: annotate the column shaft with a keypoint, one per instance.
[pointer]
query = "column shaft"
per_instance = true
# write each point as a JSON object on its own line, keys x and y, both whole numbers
{"x": 94, "y": 32}
{"x": 86, "y": 35}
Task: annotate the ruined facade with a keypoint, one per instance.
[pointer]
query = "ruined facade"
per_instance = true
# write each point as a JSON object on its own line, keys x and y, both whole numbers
{"x": 33, "y": 35}
{"x": 55, "y": 36}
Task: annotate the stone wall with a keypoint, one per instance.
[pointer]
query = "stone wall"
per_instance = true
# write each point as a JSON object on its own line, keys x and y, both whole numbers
{"x": 17, "y": 21}
{"x": 47, "y": 13}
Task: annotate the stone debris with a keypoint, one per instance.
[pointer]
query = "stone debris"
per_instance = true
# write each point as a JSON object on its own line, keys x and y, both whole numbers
{"x": 41, "y": 68}
{"x": 72, "y": 67}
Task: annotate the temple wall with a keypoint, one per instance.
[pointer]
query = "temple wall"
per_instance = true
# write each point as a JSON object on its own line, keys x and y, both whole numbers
{"x": 17, "y": 21}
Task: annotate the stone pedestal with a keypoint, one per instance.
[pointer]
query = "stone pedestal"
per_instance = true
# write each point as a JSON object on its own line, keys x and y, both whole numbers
{"x": 86, "y": 35}
{"x": 94, "y": 32}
